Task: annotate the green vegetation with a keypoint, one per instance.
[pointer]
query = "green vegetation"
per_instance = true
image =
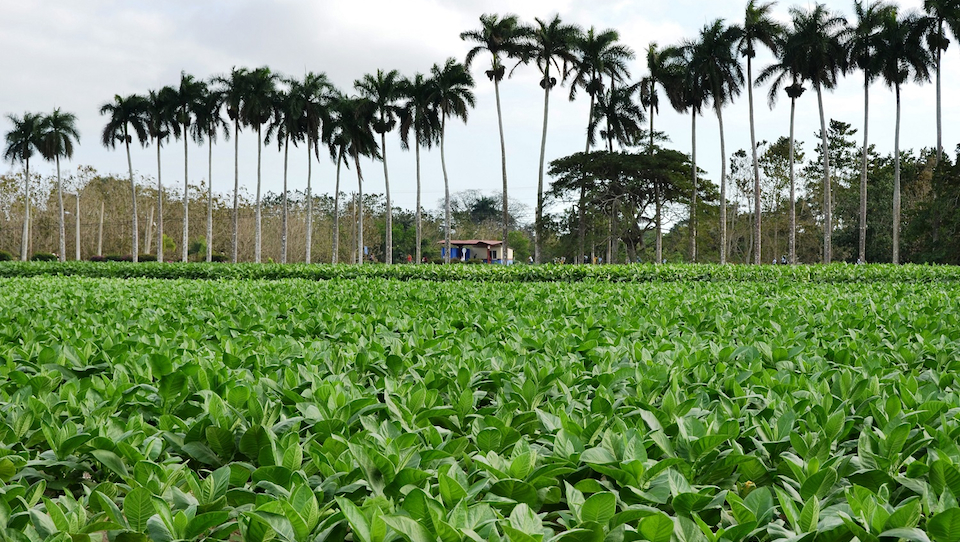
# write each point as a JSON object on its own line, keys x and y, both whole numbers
{"x": 769, "y": 409}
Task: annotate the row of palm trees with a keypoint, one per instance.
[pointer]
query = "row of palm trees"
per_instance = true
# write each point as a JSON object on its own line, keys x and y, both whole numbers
{"x": 814, "y": 48}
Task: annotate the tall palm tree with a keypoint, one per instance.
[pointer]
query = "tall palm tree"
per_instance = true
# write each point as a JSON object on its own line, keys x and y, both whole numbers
{"x": 599, "y": 55}
{"x": 383, "y": 90}
{"x": 759, "y": 28}
{"x": 208, "y": 123}
{"x": 188, "y": 101}
{"x": 941, "y": 12}
{"x": 59, "y": 133}
{"x": 714, "y": 61}
{"x": 452, "y": 97}
{"x": 160, "y": 123}
{"x": 554, "y": 47}
{"x": 903, "y": 57}
{"x": 418, "y": 115}
{"x": 126, "y": 115}
{"x": 786, "y": 74}
{"x": 620, "y": 114}
{"x": 314, "y": 91}
{"x": 258, "y": 107}
{"x": 233, "y": 88}
{"x": 864, "y": 48}
{"x": 287, "y": 123}
{"x": 22, "y": 141}
{"x": 819, "y": 37}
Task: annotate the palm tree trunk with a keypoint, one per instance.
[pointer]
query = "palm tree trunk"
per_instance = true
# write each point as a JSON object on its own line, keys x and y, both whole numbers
{"x": 133, "y": 193}
{"x": 209, "y": 198}
{"x": 581, "y": 215}
{"x": 756, "y": 164}
{"x": 896, "y": 184}
{"x": 862, "y": 242}
{"x": 283, "y": 219}
{"x": 827, "y": 199}
{"x": 359, "y": 208}
{"x": 184, "y": 252}
{"x": 236, "y": 187}
{"x": 256, "y": 230}
{"x": 657, "y": 197}
{"x": 25, "y": 241}
{"x": 77, "y": 228}
{"x": 159, "y": 208}
{"x": 309, "y": 236}
{"x": 793, "y": 195}
{"x": 63, "y": 233}
{"x": 939, "y": 114}
{"x": 149, "y": 233}
{"x": 538, "y": 244}
{"x": 100, "y": 231}
{"x": 388, "y": 253}
{"x": 419, "y": 226}
{"x": 693, "y": 199}
{"x": 336, "y": 213}
{"x": 723, "y": 190}
{"x": 503, "y": 165}
{"x": 446, "y": 192}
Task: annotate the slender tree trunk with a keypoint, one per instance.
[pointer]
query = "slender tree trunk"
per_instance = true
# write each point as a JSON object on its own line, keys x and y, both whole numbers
{"x": 862, "y": 242}
{"x": 25, "y": 240}
{"x": 236, "y": 188}
{"x": 538, "y": 245}
{"x": 793, "y": 195}
{"x": 62, "y": 226}
{"x": 503, "y": 163}
{"x": 283, "y": 225}
{"x": 657, "y": 195}
{"x": 446, "y": 192}
{"x": 723, "y": 190}
{"x": 359, "y": 209}
{"x": 257, "y": 231}
{"x": 133, "y": 193}
{"x": 77, "y": 228}
{"x": 185, "y": 251}
{"x": 209, "y": 198}
{"x": 896, "y": 184}
{"x": 336, "y": 213}
{"x": 159, "y": 209}
{"x": 827, "y": 199}
{"x": 354, "y": 258}
{"x": 693, "y": 199}
{"x": 100, "y": 231}
{"x": 149, "y": 234}
{"x": 309, "y": 236}
{"x": 388, "y": 253}
{"x": 581, "y": 214}
{"x": 419, "y": 233}
{"x": 756, "y": 164}
{"x": 939, "y": 113}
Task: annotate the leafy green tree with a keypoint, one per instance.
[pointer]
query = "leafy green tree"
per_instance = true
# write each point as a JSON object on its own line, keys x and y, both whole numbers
{"x": 208, "y": 122}
{"x": 187, "y": 102}
{"x": 419, "y": 116}
{"x": 234, "y": 93}
{"x": 126, "y": 115}
{"x": 58, "y": 135}
{"x": 23, "y": 141}
{"x": 258, "y": 107}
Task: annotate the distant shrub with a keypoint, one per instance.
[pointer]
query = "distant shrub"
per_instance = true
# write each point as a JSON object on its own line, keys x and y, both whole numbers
{"x": 218, "y": 258}
{"x": 5, "y": 256}
{"x": 147, "y": 257}
{"x": 98, "y": 258}
{"x": 119, "y": 258}
{"x": 44, "y": 257}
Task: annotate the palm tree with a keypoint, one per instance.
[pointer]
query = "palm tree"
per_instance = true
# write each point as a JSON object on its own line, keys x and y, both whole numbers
{"x": 208, "y": 122}
{"x": 599, "y": 55}
{"x": 819, "y": 39}
{"x": 59, "y": 133}
{"x": 419, "y": 115}
{"x": 788, "y": 69}
{"x": 622, "y": 116}
{"x": 383, "y": 90}
{"x": 188, "y": 101}
{"x": 452, "y": 97}
{"x": 314, "y": 93}
{"x": 160, "y": 122}
{"x": 234, "y": 92}
{"x": 287, "y": 123}
{"x": 258, "y": 107}
{"x": 864, "y": 48}
{"x": 126, "y": 115}
{"x": 554, "y": 46}
{"x": 759, "y": 28}
{"x": 941, "y": 12}
{"x": 902, "y": 57}
{"x": 715, "y": 62}
{"x": 22, "y": 141}
{"x": 502, "y": 37}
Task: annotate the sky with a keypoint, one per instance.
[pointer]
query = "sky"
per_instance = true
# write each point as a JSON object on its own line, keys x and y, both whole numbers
{"x": 78, "y": 55}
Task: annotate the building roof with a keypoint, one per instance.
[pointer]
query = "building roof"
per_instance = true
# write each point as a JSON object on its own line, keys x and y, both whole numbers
{"x": 472, "y": 242}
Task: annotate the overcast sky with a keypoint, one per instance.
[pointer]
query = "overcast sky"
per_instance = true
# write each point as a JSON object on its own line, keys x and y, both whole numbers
{"x": 77, "y": 55}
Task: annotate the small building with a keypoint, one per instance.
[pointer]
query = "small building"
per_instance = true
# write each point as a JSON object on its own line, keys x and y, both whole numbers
{"x": 484, "y": 250}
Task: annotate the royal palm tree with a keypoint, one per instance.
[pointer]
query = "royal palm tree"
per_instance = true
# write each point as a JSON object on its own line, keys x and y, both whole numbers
{"x": 618, "y": 117}
{"x": 864, "y": 48}
{"x": 23, "y": 141}
{"x": 941, "y": 12}
{"x": 419, "y": 116}
{"x": 126, "y": 115}
{"x": 714, "y": 61}
{"x": 188, "y": 101}
{"x": 554, "y": 47}
{"x": 314, "y": 91}
{"x": 258, "y": 107}
{"x": 233, "y": 89}
{"x": 383, "y": 90}
{"x": 504, "y": 38}
{"x": 160, "y": 124}
{"x": 208, "y": 122}
{"x": 903, "y": 57}
{"x": 452, "y": 97}
{"x": 58, "y": 136}
{"x": 759, "y": 28}
{"x": 287, "y": 124}
{"x": 819, "y": 38}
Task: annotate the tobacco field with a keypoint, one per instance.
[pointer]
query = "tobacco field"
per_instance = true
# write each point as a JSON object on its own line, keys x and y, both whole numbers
{"x": 373, "y": 409}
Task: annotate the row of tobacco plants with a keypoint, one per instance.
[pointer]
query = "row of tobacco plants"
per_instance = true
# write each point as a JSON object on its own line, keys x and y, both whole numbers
{"x": 376, "y": 410}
